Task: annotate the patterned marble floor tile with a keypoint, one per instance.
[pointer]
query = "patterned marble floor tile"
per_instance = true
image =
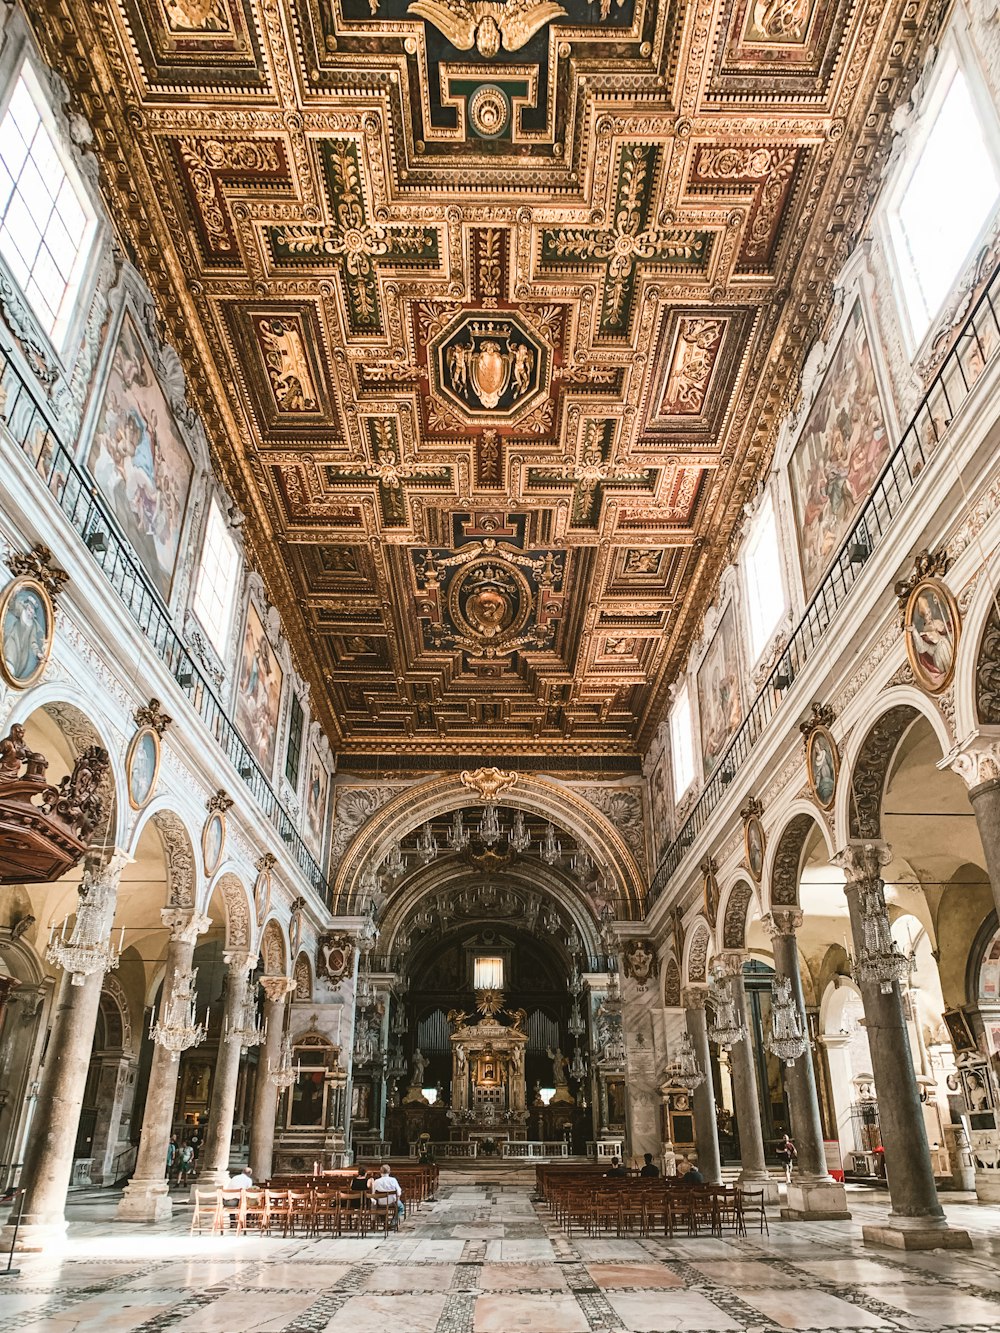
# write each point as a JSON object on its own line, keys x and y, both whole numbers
{"x": 520, "y": 1251}
{"x": 376, "y": 1312}
{"x": 740, "y": 1273}
{"x": 410, "y": 1277}
{"x": 937, "y": 1307}
{"x": 811, "y": 1310}
{"x": 521, "y": 1277}
{"x": 638, "y": 1276}
{"x": 650, "y": 1312}
{"x": 249, "y": 1312}
{"x": 537, "y": 1314}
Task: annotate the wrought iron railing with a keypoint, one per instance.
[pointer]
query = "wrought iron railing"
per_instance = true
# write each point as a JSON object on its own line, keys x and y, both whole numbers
{"x": 970, "y": 352}
{"x": 31, "y": 426}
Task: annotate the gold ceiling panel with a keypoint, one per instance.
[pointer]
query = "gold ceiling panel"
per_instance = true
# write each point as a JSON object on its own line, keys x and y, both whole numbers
{"x": 492, "y": 314}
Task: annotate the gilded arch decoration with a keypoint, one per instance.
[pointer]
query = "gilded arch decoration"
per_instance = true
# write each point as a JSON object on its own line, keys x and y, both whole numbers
{"x": 272, "y": 949}
{"x": 239, "y": 931}
{"x": 178, "y": 851}
{"x": 788, "y": 859}
{"x": 671, "y": 984}
{"x": 871, "y": 769}
{"x": 734, "y": 922}
{"x": 987, "y": 682}
{"x": 303, "y": 979}
{"x": 697, "y": 963}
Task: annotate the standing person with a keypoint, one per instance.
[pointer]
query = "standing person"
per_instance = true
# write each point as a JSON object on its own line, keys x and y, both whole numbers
{"x": 385, "y": 1184}
{"x": 185, "y": 1163}
{"x": 171, "y": 1157}
{"x": 649, "y": 1168}
{"x": 787, "y": 1153}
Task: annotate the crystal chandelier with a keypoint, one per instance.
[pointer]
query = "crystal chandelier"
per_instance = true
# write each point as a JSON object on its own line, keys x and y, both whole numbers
{"x": 881, "y": 961}
{"x": 88, "y": 949}
{"x": 371, "y": 885}
{"x": 549, "y": 847}
{"x": 490, "y": 829}
{"x": 458, "y": 837}
{"x": 283, "y": 1074}
{"x": 395, "y": 1065}
{"x": 247, "y": 1028}
{"x": 365, "y": 997}
{"x": 683, "y": 1070}
{"x": 427, "y": 845}
{"x": 395, "y": 861}
{"x": 725, "y": 1029}
{"x": 179, "y": 1030}
{"x": 578, "y": 1065}
{"x": 576, "y": 1026}
{"x": 520, "y": 838}
{"x": 786, "y": 1039}
{"x": 581, "y": 866}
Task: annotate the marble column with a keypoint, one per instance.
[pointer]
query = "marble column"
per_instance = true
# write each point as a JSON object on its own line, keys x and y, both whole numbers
{"x": 979, "y": 765}
{"x": 48, "y": 1157}
{"x": 214, "y": 1165}
{"x": 265, "y": 1094}
{"x": 147, "y": 1195}
{"x": 813, "y": 1194}
{"x": 706, "y": 1125}
{"x": 916, "y": 1220}
{"x": 753, "y": 1173}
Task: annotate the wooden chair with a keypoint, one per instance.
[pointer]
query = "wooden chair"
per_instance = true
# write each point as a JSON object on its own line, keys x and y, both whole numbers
{"x": 326, "y": 1213}
{"x": 632, "y": 1211}
{"x": 252, "y": 1213}
{"x": 605, "y": 1212}
{"x": 206, "y": 1212}
{"x": 384, "y": 1211}
{"x": 230, "y": 1208}
{"x": 277, "y": 1211}
{"x": 300, "y": 1212}
{"x": 753, "y": 1208}
{"x": 352, "y": 1213}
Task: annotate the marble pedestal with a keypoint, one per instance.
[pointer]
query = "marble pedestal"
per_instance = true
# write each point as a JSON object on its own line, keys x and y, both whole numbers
{"x": 916, "y": 1235}
{"x": 815, "y": 1201}
{"x": 145, "y": 1201}
{"x": 765, "y": 1183}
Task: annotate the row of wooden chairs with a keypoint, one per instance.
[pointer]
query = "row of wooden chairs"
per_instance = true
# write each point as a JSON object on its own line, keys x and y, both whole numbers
{"x": 654, "y": 1207}
{"x": 418, "y": 1183}
{"x": 292, "y": 1212}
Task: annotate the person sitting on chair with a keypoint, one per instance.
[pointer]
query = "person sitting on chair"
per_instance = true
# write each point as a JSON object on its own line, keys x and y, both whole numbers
{"x": 243, "y": 1180}
{"x": 385, "y": 1184}
{"x": 650, "y": 1168}
{"x": 689, "y": 1173}
{"x": 617, "y": 1170}
{"x": 359, "y": 1185}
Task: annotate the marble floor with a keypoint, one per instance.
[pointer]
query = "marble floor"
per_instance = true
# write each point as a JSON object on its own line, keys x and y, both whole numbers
{"x": 485, "y": 1259}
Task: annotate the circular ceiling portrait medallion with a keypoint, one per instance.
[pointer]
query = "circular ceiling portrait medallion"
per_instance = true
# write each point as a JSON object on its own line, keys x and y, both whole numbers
{"x": 489, "y": 601}
{"x": 489, "y": 111}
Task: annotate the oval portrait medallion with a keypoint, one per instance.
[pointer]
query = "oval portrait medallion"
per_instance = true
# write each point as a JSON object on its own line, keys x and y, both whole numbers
{"x": 26, "y": 625}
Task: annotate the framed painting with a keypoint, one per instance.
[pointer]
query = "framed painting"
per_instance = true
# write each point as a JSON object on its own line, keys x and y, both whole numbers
{"x": 839, "y": 453}
{"x": 317, "y": 794}
{"x": 720, "y": 706}
{"x": 753, "y": 844}
{"x": 139, "y": 460}
{"x": 213, "y": 841}
{"x": 710, "y": 893}
{"x": 957, "y": 1023}
{"x": 932, "y": 623}
{"x": 142, "y": 766}
{"x": 258, "y": 694}
{"x": 27, "y": 623}
{"x": 262, "y": 894}
{"x": 822, "y": 766}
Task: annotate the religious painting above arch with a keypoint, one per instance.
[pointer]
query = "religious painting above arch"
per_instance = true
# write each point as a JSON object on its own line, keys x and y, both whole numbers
{"x": 822, "y": 755}
{"x": 931, "y": 621}
{"x": 27, "y": 626}
{"x": 754, "y": 838}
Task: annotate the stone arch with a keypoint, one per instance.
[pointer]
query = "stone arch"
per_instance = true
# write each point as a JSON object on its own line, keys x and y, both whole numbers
{"x": 977, "y": 667}
{"x": 303, "y": 976}
{"x": 441, "y": 796}
{"x": 784, "y": 861}
{"x": 82, "y": 725}
{"x": 735, "y": 913}
{"x": 117, "y": 1014}
{"x": 671, "y": 984}
{"x": 239, "y": 910}
{"x": 178, "y": 851}
{"x": 867, "y": 763}
{"x": 696, "y": 953}
{"x": 273, "y": 948}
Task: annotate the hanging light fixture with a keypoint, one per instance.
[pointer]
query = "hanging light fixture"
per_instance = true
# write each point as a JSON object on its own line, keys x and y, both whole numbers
{"x": 550, "y": 848}
{"x": 247, "y": 1029}
{"x": 578, "y": 1065}
{"x": 490, "y": 829}
{"x": 881, "y": 961}
{"x": 458, "y": 837}
{"x": 179, "y": 1029}
{"x": 725, "y": 1028}
{"x": 371, "y": 885}
{"x": 520, "y": 838}
{"x": 786, "y": 1040}
{"x": 284, "y": 1073}
{"x": 395, "y": 861}
{"x": 88, "y": 948}
{"x": 683, "y": 1070}
{"x": 576, "y": 1026}
{"x": 581, "y": 866}
{"x": 427, "y": 845}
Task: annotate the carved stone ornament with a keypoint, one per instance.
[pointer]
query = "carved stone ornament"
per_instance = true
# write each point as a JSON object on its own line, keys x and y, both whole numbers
{"x": 640, "y": 962}
{"x": 783, "y": 921}
{"x": 863, "y": 862}
{"x": 219, "y": 803}
{"x": 978, "y": 762}
{"x": 184, "y": 926}
{"x": 151, "y": 715}
{"x": 754, "y": 839}
{"x": 266, "y": 862}
{"x": 38, "y": 564}
{"x": 694, "y": 997}
{"x": 677, "y": 927}
{"x": 821, "y": 715}
{"x": 927, "y": 565}
{"x": 489, "y": 782}
{"x": 334, "y": 956}
{"x": 710, "y": 889}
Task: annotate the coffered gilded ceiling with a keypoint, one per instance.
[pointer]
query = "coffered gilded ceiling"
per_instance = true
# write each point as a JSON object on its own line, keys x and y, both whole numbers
{"x": 492, "y": 308}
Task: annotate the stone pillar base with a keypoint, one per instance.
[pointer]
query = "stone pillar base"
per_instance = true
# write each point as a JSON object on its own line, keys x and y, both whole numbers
{"x": 987, "y": 1185}
{"x": 33, "y": 1236}
{"x": 145, "y": 1201}
{"x": 208, "y": 1180}
{"x": 765, "y": 1183}
{"x": 918, "y": 1237}
{"x": 816, "y": 1201}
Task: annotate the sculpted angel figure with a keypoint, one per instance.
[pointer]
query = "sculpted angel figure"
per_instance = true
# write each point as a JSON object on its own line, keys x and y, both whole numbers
{"x": 488, "y": 24}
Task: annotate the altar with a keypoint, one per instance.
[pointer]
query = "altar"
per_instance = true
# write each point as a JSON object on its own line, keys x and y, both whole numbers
{"x": 488, "y": 1099}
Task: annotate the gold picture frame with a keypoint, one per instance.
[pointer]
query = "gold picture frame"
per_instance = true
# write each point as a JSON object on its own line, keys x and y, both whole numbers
{"x": 754, "y": 845}
{"x": 262, "y": 895}
{"x": 211, "y": 849}
{"x": 932, "y": 624}
{"x": 822, "y": 766}
{"x": 144, "y": 749}
{"x": 24, "y": 645}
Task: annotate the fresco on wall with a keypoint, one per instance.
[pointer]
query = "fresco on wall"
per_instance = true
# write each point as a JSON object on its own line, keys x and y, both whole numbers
{"x": 259, "y": 692}
{"x": 659, "y": 804}
{"x": 719, "y": 703}
{"x": 317, "y": 787}
{"x": 139, "y": 460}
{"x": 840, "y": 452}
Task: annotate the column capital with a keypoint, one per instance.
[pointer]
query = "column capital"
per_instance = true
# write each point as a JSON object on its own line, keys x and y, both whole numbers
{"x": 694, "y": 997}
{"x": 239, "y": 960}
{"x": 276, "y": 988}
{"x": 976, "y": 761}
{"x": 783, "y": 921}
{"x": 730, "y": 962}
{"x": 184, "y": 924}
{"x": 863, "y": 861}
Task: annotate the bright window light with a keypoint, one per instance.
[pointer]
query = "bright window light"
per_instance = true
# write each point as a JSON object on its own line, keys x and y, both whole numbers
{"x": 46, "y": 223}
{"x": 215, "y": 589}
{"x": 762, "y": 571}
{"x": 488, "y": 974}
{"x": 943, "y": 201}
{"x": 682, "y": 743}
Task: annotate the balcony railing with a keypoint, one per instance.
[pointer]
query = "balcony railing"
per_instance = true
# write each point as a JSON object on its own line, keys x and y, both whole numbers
{"x": 968, "y": 357}
{"x": 29, "y": 423}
